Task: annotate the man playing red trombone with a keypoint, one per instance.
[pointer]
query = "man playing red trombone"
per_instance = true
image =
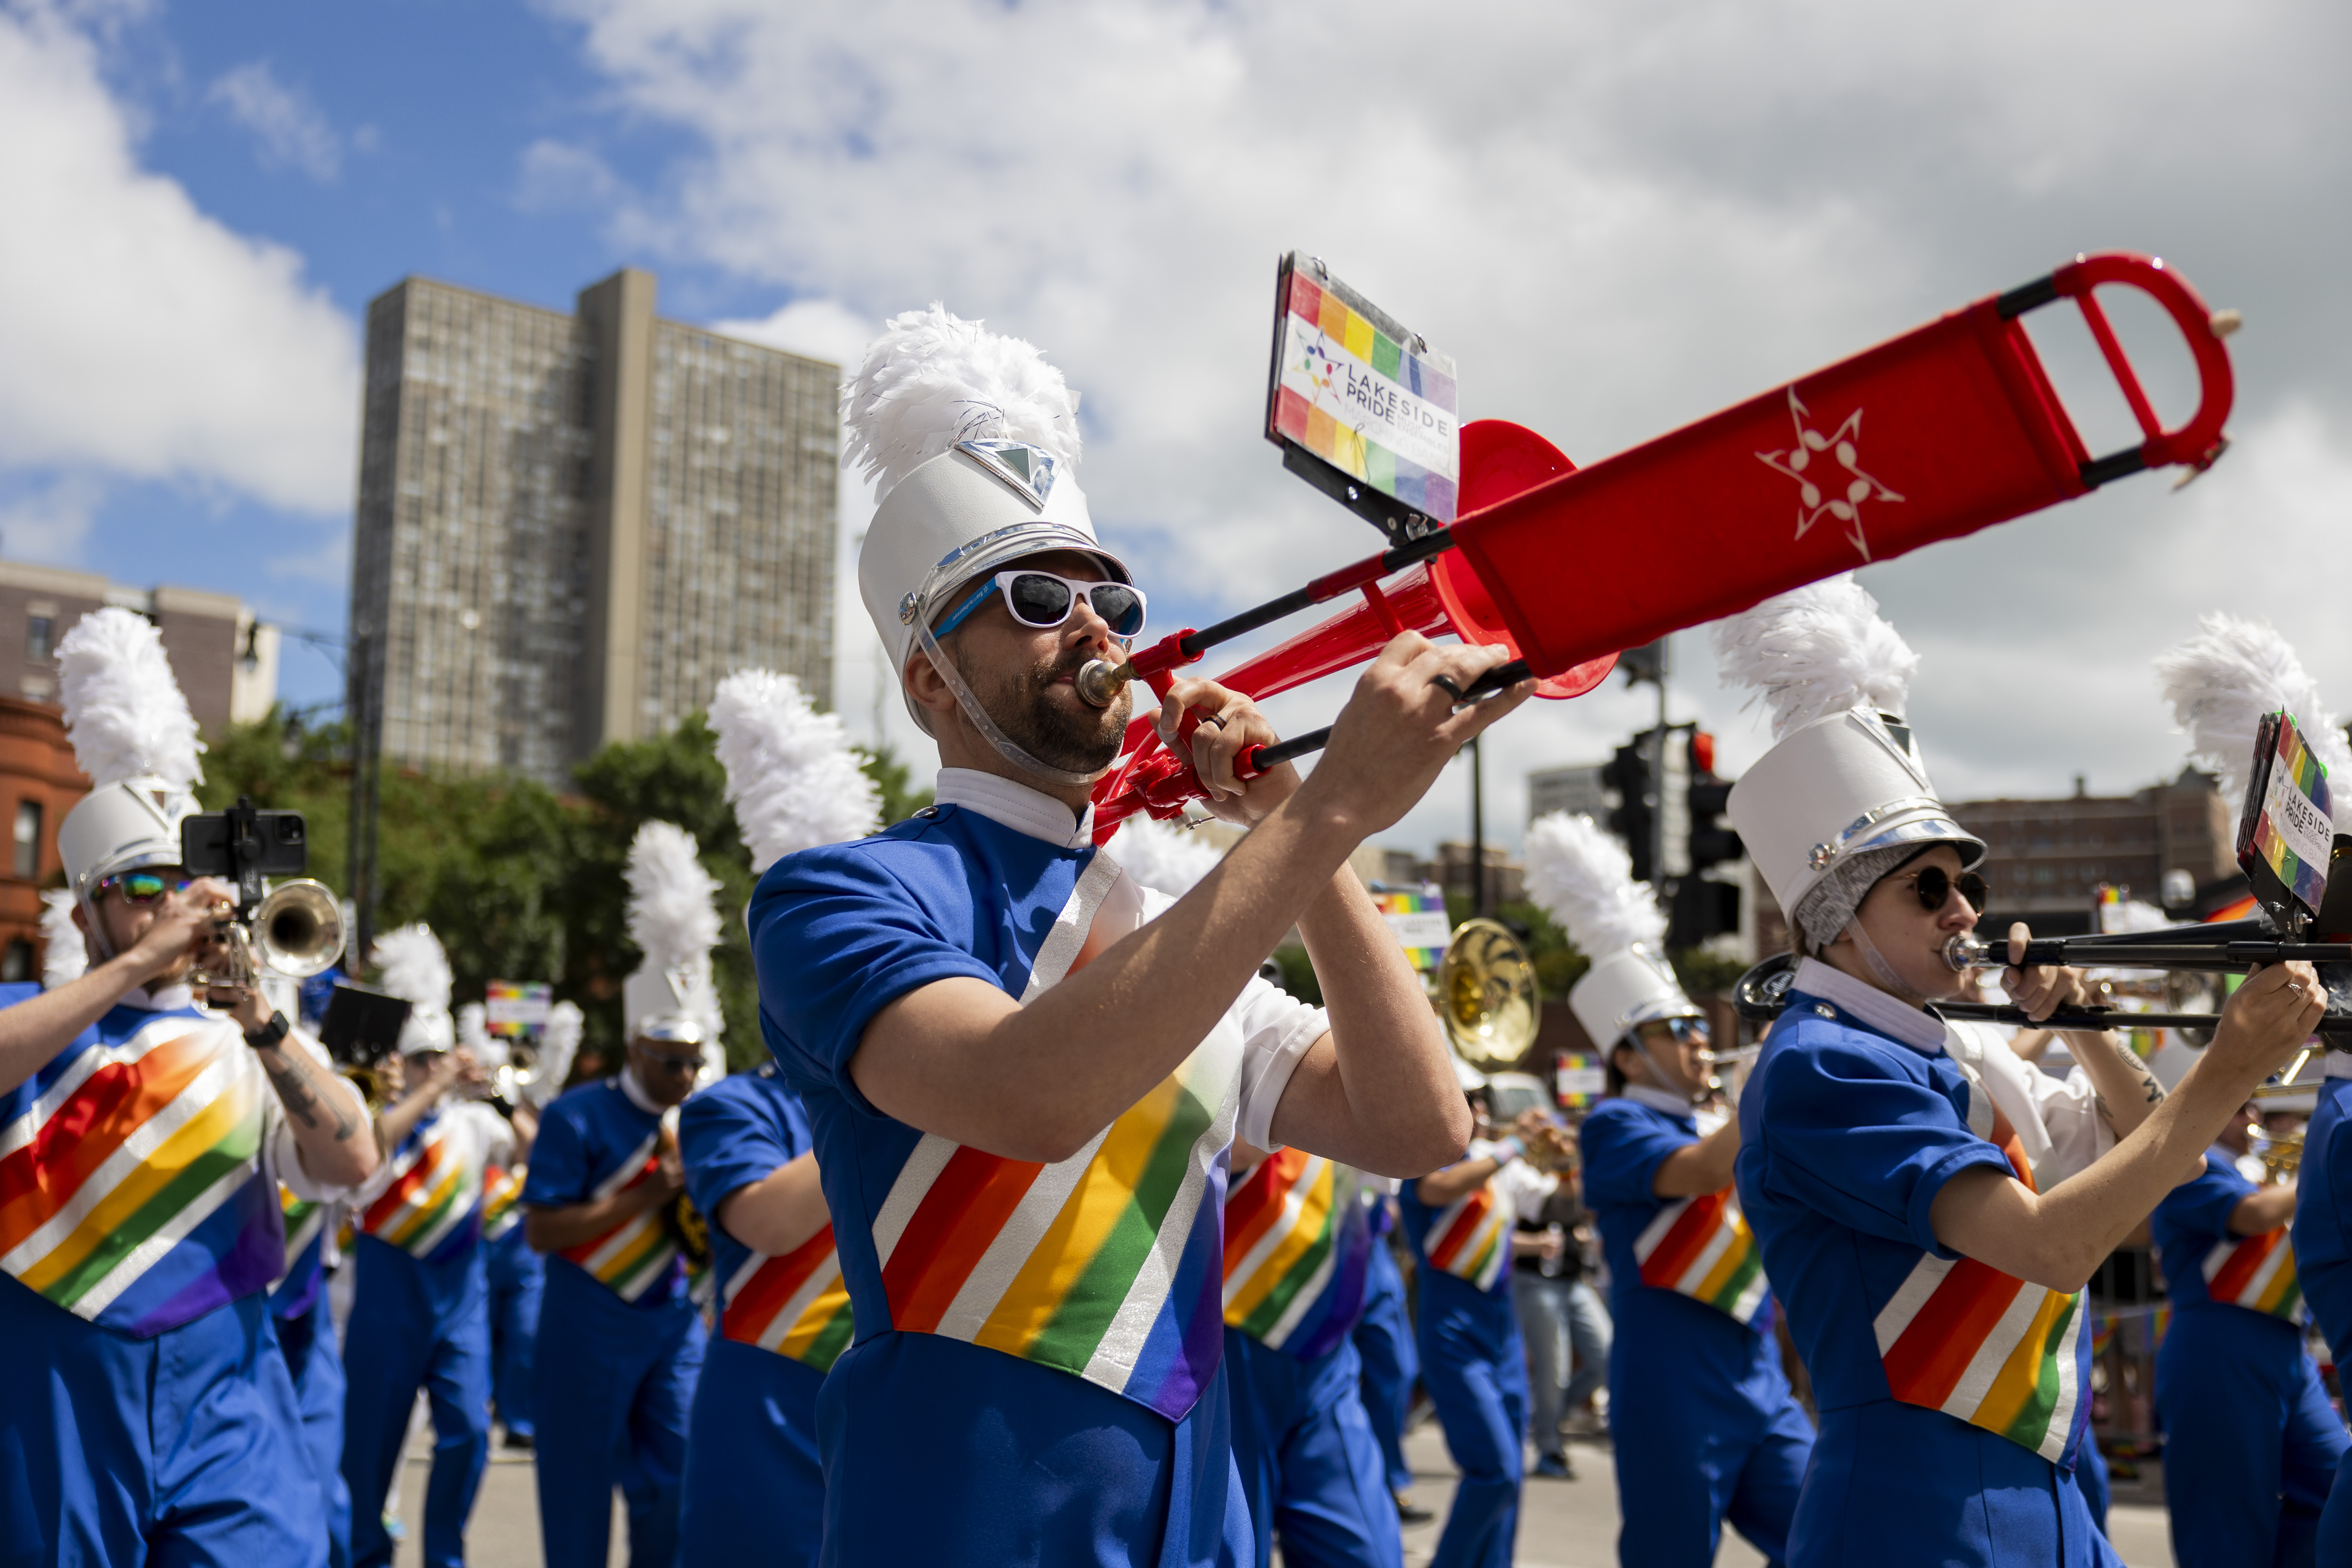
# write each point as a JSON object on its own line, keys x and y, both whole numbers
{"x": 1023, "y": 1094}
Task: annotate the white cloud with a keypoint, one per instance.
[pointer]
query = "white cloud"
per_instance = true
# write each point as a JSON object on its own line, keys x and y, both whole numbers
{"x": 48, "y": 521}
{"x": 816, "y": 329}
{"x": 137, "y": 335}
{"x": 291, "y": 132}
{"x": 556, "y": 177}
{"x": 1617, "y": 218}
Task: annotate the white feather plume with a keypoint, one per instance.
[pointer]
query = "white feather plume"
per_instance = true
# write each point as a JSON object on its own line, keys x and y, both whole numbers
{"x": 124, "y": 710}
{"x": 1165, "y": 860}
{"x": 671, "y": 917}
{"x": 2220, "y": 682}
{"x": 415, "y": 968}
{"x": 933, "y": 379}
{"x": 1816, "y": 651}
{"x": 792, "y": 775}
{"x": 64, "y": 956}
{"x": 557, "y": 1047}
{"x": 1582, "y": 877}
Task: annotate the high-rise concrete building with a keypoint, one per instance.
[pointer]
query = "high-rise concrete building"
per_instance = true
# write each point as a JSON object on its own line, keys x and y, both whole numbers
{"x": 572, "y": 526}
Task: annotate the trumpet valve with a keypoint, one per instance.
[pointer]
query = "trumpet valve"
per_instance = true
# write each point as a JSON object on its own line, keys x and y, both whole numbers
{"x": 1099, "y": 681}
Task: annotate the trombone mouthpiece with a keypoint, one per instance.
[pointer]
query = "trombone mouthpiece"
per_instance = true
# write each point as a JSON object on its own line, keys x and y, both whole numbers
{"x": 1099, "y": 681}
{"x": 1965, "y": 951}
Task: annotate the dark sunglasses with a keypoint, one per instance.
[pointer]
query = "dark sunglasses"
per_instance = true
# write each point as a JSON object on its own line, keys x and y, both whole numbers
{"x": 1933, "y": 885}
{"x": 1044, "y": 600}
{"x": 141, "y": 888}
{"x": 667, "y": 1063}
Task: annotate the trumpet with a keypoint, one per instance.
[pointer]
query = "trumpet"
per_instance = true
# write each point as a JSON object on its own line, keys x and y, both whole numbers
{"x": 296, "y": 932}
{"x": 1694, "y": 524}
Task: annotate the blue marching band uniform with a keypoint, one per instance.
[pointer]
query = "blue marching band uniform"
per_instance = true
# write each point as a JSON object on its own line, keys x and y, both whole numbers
{"x": 1707, "y": 1428}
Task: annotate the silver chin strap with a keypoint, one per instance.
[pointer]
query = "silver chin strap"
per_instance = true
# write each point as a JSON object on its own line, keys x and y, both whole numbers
{"x": 986, "y": 725}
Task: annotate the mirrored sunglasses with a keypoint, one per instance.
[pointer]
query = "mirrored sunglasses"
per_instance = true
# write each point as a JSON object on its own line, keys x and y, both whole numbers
{"x": 142, "y": 888}
{"x": 1045, "y": 600}
{"x": 1933, "y": 885}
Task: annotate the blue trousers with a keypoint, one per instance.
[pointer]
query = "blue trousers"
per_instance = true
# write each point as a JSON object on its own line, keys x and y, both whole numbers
{"x": 610, "y": 1392}
{"x": 1307, "y": 1459}
{"x": 316, "y": 1369}
{"x": 754, "y": 1486}
{"x": 1707, "y": 1430}
{"x": 401, "y": 1340}
{"x": 2245, "y": 1418}
{"x": 179, "y": 1450}
{"x": 940, "y": 1453}
{"x": 518, "y": 1279}
{"x": 2335, "y": 1517}
{"x": 1383, "y": 1340}
{"x": 1895, "y": 1486}
{"x": 2091, "y": 1475}
{"x": 1475, "y": 1367}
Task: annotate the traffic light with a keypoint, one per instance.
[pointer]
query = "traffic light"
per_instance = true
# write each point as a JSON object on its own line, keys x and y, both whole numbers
{"x": 1634, "y": 818}
{"x": 1704, "y": 908}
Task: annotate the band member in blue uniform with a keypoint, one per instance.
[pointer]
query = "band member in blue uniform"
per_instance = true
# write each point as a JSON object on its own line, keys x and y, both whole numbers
{"x": 306, "y": 1337}
{"x": 620, "y": 1343}
{"x": 421, "y": 1306}
{"x": 1297, "y": 1253}
{"x": 2236, "y": 1389}
{"x": 2323, "y": 1255}
{"x": 1030, "y": 1222}
{"x": 1706, "y": 1426}
{"x": 1383, "y": 1340}
{"x": 145, "y": 1415}
{"x": 1460, "y": 1221}
{"x": 754, "y": 1484}
{"x": 1933, "y": 1292}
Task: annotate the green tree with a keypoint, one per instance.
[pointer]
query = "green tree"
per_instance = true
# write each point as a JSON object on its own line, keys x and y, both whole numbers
{"x": 890, "y": 776}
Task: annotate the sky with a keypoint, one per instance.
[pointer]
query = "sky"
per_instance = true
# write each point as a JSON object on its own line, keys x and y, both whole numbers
{"x": 1616, "y": 218}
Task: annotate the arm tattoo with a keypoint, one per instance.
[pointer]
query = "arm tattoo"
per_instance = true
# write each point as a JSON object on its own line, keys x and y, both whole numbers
{"x": 303, "y": 1102}
{"x": 2130, "y": 1059}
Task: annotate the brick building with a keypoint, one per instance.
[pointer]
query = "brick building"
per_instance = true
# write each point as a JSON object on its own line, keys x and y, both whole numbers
{"x": 38, "y": 785}
{"x": 2046, "y": 859}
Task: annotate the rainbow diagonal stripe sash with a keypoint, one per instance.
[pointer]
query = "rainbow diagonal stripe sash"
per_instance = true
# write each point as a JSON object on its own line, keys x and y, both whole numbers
{"x": 432, "y": 1208}
{"x": 132, "y": 1189}
{"x": 1297, "y": 1244}
{"x": 631, "y": 1255}
{"x": 1105, "y": 1265}
{"x": 501, "y": 1195}
{"x": 796, "y": 1305}
{"x": 1972, "y": 1342}
{"x": 305, "y": 1223}
{"x": 1701, "y": 1248}
{"x": 1470, "y": 1238}
{"x": 296, "y": 1289}
{"x": 1961, "y": 1337}
{"x": 2256, "y": 1272}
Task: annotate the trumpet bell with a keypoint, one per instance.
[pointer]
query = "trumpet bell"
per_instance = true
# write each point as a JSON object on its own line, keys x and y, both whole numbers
{"x": 298, "y": 930}
{"x": 1487, "y": 995}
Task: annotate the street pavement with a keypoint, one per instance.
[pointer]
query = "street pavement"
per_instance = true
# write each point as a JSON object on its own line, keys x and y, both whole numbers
{"x": 1563, "y": 1524}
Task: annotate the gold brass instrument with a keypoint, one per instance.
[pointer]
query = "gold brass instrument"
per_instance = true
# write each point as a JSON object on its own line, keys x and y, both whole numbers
{"x": 296, "y": 932}
{"x": 1486, "y": 996}
{"x": 367, "y": 1081}
{"x": 517, "y": 1072}
{"x": 2280, "y": 1152}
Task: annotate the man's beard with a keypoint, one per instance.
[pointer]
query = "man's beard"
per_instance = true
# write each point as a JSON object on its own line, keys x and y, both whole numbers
{"x": 1075, "y": 737}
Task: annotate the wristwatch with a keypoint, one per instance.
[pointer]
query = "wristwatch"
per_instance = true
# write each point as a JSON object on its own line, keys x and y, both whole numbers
{"x": 269, "y": 1033}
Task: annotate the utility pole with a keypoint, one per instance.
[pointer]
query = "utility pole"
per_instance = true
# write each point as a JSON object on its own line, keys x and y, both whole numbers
{"x": 366, "y": 772}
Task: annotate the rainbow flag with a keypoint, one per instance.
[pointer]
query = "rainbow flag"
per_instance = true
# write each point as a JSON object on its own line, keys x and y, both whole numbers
{"x": 2103, "y": 1333}
{"x": 1298, "y": 1246}
{"x": 431, "y": 1208}
{"x": 2256, "y": 1272}
{"x": 1701, "y": 1248}
{"x": 1365, "y": 404}
{"x": 2294, "y": 833}
{"x": 1418, "y": 919}
{"x": 131, "y": 1192}
{"x": 796, "y": 1305}
{"x": 1471, "y": 1238}
{"x": 631, "y": 1255}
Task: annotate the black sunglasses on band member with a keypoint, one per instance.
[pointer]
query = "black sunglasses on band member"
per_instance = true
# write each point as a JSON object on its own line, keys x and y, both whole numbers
{"x": 1933, "y": 885}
